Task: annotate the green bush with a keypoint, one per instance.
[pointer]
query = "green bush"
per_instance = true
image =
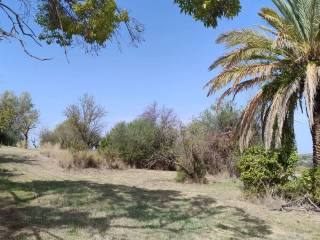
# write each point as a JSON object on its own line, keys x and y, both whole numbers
{"x": 308, "y": 184}
{"x": 261, "y": 170}
{"x": 133, "y": 142}
{"x": 181, "y": 176}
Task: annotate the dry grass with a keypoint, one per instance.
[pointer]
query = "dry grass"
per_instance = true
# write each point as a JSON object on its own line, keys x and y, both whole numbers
{"x": 40, "y": 200}
{"x": 80, "y": 160}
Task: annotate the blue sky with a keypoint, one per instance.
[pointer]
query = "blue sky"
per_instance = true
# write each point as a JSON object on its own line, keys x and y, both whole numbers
{"x": 170, "y": 67}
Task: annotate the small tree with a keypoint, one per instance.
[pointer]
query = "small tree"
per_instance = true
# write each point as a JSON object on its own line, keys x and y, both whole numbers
{"x": 166, "y": 123}
{"x": 191, "y": 150}
{"x": 9, "y": 134}
{"x": 47, "y": 136}
{"x": 18, "y": 118}
{"x": 28, "y": 117}
{"x": 85, "y": 119}
{"x": 217, "y": 128}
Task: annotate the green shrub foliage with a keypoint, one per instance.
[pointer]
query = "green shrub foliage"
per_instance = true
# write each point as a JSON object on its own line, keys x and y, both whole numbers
{"x": 261, "y": 170}
{"x": 134, "y": 142}
{"x": 308, "y": 184}
{"x": 181, "y": 176}
{"x": 147, "y": 142}
{"x": 18, "y": 117}
{"x": 82, "y": 128}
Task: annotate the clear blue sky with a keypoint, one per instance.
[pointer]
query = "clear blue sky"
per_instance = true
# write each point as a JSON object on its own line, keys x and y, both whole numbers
{"x": 170, "y": 67}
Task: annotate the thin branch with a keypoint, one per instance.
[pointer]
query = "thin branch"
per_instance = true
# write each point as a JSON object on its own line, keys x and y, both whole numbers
{"x": 19, "y": 26}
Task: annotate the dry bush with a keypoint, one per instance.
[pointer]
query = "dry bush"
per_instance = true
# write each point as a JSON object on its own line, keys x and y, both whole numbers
{"x": 220, "y": 153}
{"x": 80, "y": 159}
{"x": 271, "y": 200}
{"x": 191, "y": 151}
{"x": 54, "y": 151}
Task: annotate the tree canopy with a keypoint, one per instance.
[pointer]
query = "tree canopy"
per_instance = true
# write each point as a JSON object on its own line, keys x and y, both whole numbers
{"x": 209, "y": 11}
{"x": 18, "y": 117}
{"x": 89, "y": 23}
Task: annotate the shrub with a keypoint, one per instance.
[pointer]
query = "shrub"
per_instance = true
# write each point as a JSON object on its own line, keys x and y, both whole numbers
{"x": 147, "y": 142}
{"x": 82, "y": 128}
{"x": 80, "y": 160}
{"x": 133, "y": 142}
{"x": 47, "y": 137}
{"x": 216, "y": 128}
{"x": 181, "y": 176}
{"x": 308, "y": 184}
{"x": 261, "y": 170}
{"x": 208, "y": 144}
{"x": 191, "y": 153}
{"x": 65, "y": 136}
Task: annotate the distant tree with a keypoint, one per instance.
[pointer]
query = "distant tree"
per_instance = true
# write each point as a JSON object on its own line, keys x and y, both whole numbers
{"x": 8, "y": 106}
{"x": 223, "y": 119}
{"x": 209, "y": 11}
{"x": 151, "y": 113}
{"x": 90, "y": 23}
{"x": 65, "y": 135}
{"x": 85, "y": 120}
{"x": 27, "y": 117}
{"x": 9, "y": 133}
{"x": 19, "y": 117}
{"x": 211, "y": 140}
{"x": 166, "y": 123}
{"x": 133, "y": 142}
{"x": 47, "y": 136}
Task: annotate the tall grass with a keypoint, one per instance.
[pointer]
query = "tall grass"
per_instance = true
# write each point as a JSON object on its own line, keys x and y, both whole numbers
{"x": 81, "y": 159}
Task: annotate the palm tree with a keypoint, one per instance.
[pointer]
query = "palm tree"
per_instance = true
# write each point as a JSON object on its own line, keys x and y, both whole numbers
{"x": 282, "y": 60}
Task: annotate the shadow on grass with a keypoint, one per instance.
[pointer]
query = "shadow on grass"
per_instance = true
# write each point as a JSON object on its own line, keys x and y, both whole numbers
{"x": 72, "y": 205}
{"x": 5, "y": 173}
{"x": 5, "y": 158}
{"x": 33, "y": 209}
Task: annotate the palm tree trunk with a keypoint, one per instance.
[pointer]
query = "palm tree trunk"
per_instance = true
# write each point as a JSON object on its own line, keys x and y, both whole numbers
{"x": 315, "y": 131}
{"x": 316, "y": 143}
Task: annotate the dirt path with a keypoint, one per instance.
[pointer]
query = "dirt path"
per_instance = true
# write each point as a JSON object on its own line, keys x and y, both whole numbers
{"x": 39, "y": 200}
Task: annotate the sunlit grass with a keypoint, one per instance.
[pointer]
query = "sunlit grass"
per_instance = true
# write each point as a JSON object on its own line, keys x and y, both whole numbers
{"x": 49, "y": 203}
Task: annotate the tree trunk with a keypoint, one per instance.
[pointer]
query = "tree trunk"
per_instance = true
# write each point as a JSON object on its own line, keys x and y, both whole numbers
{"x": 315, "y": 131}
{"x": 26, "y": 141}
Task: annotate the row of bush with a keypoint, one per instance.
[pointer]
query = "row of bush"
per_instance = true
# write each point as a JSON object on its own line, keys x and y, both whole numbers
{"x": 154, "y": 140}
{"x": 207, "y": 145}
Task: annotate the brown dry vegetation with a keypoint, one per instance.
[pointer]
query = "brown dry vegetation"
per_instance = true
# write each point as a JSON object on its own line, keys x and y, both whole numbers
{"x": 40, "y": 200}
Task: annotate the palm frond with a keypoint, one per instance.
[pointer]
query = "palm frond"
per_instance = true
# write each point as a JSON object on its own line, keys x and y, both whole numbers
{"x": 310, "y": 88}
{"x": 247, "y": 37}
{"x": 234, "y": 90}
{"x": 247, "y": 120}
{"x": 244, "y": 55}
{"x": 277, "y": 114}
{"x": 238, "y": 73}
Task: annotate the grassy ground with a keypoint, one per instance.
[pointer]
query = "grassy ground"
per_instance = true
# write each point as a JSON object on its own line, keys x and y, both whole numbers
{"x": 39, "y": 200}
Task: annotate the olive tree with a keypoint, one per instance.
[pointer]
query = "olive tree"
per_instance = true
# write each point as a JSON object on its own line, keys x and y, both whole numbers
{"x": 27, "y": 116}
{"x": 18, "y": 117}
